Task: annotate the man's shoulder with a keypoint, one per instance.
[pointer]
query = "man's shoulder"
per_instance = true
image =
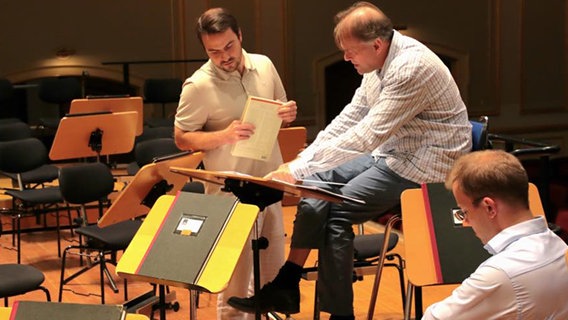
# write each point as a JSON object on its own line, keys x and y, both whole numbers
{"x": 205, "y": 74}
{"x": 258, "y": 59}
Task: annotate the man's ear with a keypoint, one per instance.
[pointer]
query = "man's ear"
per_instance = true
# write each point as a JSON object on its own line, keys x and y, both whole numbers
{"x": 490, "y": 206}
{"x": 240, "y": 35}
{"x": 378, "y": 45}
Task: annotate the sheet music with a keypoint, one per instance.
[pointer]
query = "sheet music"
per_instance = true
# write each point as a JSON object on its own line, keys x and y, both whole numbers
{"x": 263, "y": 114}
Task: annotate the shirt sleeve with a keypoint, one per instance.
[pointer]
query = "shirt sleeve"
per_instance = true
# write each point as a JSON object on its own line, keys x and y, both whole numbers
{"x": 191, "y": 114}
{"x": 486, "y": 294}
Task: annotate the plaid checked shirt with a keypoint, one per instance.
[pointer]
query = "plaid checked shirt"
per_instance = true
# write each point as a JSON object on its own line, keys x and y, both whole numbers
{"x": 410, "y": 112}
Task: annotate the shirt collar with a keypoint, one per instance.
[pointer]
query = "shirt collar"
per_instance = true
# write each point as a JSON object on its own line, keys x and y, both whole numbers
{"x": 393, "y": 52}
{"x": 249, "y": 66}
{"x": 513, "y": 233}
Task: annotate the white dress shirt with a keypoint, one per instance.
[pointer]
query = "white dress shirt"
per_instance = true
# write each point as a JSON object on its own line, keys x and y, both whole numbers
{"x": 526, "y": 278}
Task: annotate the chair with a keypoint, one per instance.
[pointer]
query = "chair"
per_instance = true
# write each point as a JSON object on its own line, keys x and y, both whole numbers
{"x": 14, "y": 130}
{"x": 59, "y": 91}
{"x": 17, "y": 279}
{"x": 146, "y": 151}
{"x": 82, "y": 184}
{"x": 162, "y": 91}
{"x": 37, "y": 177}
{"x": 479, "y": 133}
{"x": 18, "y": 157}
{"x": 368, "y": 260}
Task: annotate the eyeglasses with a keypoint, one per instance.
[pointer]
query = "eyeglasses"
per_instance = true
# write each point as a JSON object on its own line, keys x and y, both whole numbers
{"x": 461, "y": 214}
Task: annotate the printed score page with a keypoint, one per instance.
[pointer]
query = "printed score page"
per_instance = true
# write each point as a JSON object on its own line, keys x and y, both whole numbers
{"x": 264, "y": 115}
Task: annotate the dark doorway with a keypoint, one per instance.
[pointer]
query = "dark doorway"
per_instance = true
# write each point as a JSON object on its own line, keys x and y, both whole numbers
{"x": 341, "y": 81}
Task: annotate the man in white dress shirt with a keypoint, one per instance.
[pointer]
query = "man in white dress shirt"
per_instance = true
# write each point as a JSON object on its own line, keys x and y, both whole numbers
{"x": 527, "y": 276}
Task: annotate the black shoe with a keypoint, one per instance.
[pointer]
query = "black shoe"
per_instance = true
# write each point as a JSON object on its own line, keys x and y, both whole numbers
{"x": 271, "y": 298}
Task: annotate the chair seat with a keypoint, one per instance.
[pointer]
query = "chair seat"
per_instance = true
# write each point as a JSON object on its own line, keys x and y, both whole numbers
{"x": 37, "y": 196}
{"x": 18, "y": 279}
{"x": 132, "y": 168}
{"x": 113, "y": 237}
{"x": 43, "y": 174}
{"x": 369, "y": 245}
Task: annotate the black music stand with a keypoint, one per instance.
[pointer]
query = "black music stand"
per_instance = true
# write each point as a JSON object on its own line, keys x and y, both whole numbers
{"x": 262, "y": 193}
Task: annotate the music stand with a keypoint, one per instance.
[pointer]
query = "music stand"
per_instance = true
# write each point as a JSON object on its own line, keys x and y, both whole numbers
{"x": 200, "y": 257}
{"x": 298, "y": 190}
{"x": 114, "y": 104}
{"x": 149, "y": 183}
{"x": 94, "y": 134}
{"x": 261, "y": 192}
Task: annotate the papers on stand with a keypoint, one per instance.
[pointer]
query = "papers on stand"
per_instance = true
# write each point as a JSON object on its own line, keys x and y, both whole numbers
{"x": 288, "y": 188}
{"x": 321, "y": 190}
{"x": 262, "y": 113}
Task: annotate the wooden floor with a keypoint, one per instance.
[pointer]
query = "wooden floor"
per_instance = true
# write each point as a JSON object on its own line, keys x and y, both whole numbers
{"x": 39, "y": 250}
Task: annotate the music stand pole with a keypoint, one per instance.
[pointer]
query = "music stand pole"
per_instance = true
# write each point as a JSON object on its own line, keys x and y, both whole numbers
{"x": 261, "y": 197}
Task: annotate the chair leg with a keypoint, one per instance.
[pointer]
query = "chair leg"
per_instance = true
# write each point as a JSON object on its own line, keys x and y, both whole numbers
{"x": 47, "y": 294}
{"x": 18, "y": 237}
{"x": 62, "y": 279}
{"x": 70, "y": 219}
{"x": 101, "y": 275}
{"x": 316, "y": 302}
{"x": 418, "y": 302}
{"x": 400, "y": 269}
{"x": 417, "y": 291}
{"x": 62, "y": 274}
{"x": 380, "y": 265}
{"x": 57, "y": 228}
{"x": 408, "y": 304}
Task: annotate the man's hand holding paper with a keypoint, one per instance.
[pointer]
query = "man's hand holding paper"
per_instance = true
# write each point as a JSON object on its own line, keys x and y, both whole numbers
{"x": 287, "y": 112}
{"x": 237, "y": 131}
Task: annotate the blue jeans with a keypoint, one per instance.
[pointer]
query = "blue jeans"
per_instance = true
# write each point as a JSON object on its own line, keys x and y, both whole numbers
{"x": 329, "y": 226}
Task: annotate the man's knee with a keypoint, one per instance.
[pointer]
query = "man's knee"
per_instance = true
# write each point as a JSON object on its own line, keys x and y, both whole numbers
{"x": 310, "y": 223}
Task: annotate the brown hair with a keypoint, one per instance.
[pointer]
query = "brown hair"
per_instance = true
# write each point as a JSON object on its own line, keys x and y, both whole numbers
{"x": 493, "y": 173}
{"x": 362, "y": 21}
{"x": 215, "y": 20}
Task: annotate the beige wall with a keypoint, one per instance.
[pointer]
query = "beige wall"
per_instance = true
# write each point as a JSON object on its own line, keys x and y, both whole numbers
{"x": 512, "y": 54}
